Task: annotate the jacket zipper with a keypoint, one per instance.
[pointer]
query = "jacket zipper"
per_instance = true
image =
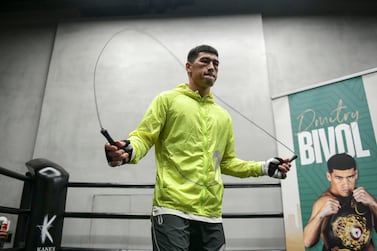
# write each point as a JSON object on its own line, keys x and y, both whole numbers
{"x": 205, "y": 150}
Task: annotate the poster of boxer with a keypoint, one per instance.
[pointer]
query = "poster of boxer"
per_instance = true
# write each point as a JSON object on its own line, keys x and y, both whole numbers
{"x": 333, "y": 134}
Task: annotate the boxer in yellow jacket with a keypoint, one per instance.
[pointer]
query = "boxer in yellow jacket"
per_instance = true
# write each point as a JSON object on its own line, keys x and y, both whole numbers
{"x": 194, "y": 145}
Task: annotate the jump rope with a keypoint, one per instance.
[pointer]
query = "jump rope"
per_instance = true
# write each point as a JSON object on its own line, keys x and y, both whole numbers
{"x": 106, "y": 134}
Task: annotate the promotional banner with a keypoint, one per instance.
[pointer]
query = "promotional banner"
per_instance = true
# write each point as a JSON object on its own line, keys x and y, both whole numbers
{"x": 332, "y": 121}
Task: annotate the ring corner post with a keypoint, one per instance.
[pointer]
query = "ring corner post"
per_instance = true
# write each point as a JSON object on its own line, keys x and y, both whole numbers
{"x": 47, "y": 206}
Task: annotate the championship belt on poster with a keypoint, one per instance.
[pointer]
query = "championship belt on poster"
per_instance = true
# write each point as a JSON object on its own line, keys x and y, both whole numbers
{"x": 350, "y": 228}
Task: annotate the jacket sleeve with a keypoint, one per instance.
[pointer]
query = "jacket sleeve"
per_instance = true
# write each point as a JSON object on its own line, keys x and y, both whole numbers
{"x": 233, "y": 166}
{"x": 148, "y": 130}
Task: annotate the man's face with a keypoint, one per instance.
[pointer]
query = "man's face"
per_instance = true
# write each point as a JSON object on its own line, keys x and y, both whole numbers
{"x": 342, "y": 181}
{"x": 203, "y": 71}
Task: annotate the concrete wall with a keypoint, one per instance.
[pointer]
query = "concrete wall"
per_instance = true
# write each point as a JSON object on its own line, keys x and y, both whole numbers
{"x": 304, "y": 51}
{"x": 25, "y": 51}
{"x": 47, "y": 105}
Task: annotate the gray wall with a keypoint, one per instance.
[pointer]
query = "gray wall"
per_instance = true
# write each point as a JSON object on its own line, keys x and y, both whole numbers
{"x": 304, "y": 51}
{"x": 47, "y": 105}
{"x": 25, "y": 51}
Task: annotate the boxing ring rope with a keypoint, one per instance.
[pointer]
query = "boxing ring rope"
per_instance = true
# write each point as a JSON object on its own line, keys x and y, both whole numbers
{"x": 45, "y": 175}
{"x": 14, "y": 175}
{"x": 99, "y": 215}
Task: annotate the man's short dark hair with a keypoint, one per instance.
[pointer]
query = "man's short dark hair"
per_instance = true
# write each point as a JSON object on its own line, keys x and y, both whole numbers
{"x": 194, "y": 52}
{"x": 341, "y": 161}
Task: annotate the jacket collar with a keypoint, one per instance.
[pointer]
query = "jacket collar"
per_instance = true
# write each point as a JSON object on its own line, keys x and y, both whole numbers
{"x": 185, "y": 89}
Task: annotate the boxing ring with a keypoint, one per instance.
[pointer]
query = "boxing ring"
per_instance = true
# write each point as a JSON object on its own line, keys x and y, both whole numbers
{"x": 42, "y": 208}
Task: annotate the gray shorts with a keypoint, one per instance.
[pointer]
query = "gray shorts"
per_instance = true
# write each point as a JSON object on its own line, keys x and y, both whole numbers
{"x": 173, "y": 233}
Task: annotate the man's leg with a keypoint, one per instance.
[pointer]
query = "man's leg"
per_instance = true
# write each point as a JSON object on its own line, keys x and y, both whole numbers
{"x": 206, "y": 236}
{"x": 170, "y": 233}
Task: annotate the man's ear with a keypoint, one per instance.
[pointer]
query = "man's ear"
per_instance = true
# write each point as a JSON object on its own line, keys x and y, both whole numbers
{"x": 328, "y": 176}
{"x": 188, "y": 67}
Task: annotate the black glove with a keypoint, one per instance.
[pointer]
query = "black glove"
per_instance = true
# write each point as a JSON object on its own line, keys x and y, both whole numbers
{"x": 127, "y": 148}
{"x": 270, "y": 168}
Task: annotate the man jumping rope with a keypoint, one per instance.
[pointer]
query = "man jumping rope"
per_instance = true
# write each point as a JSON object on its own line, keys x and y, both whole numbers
{"x": 194, "y": 145}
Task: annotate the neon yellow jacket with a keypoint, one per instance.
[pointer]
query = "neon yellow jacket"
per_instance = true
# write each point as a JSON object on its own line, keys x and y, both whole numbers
{"x": 194, "y": 145}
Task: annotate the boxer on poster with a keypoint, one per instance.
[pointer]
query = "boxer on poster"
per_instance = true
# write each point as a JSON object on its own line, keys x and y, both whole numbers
{"x": 344, "y": 215}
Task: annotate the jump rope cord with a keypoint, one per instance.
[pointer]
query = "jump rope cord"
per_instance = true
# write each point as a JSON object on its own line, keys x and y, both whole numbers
{"x": 181, "y": 64}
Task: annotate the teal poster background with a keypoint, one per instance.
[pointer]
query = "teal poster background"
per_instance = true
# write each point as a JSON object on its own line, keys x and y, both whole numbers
{"x": 326, "y": 120}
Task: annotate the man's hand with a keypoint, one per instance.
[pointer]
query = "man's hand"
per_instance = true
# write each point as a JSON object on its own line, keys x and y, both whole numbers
{"x": 330, "y": 207}
{"x": 276, "y": 167}
{"x": 361, "y": 195}
{"x": 118, "y": 154}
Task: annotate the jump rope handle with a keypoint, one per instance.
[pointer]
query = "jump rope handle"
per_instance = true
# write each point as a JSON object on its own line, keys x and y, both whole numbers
{"x": 107, "y": 136}
{"x": 293, "y": 158}
{"x": 112, "y": 142}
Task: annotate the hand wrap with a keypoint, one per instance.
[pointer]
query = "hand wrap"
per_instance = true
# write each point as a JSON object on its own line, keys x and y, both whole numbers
{"x": 127, "y": 148}
{"x": 270, "y": 168}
